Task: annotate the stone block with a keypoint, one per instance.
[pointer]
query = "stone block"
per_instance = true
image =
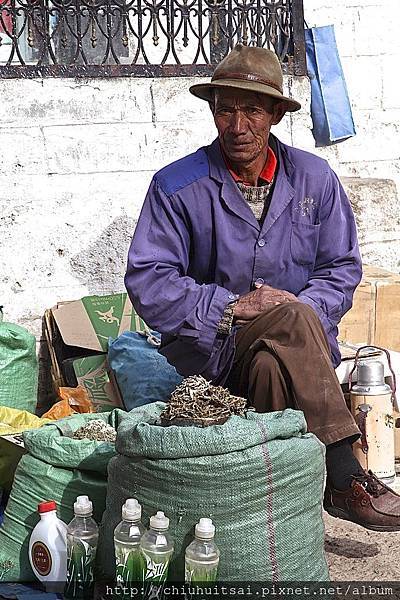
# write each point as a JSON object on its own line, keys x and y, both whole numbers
{"x": 283, "y": 130}
{"x": 301, "y": 126}
{"x": 121, "y": 147}
{"x": 79, "y": 230}
{"x": 376, "y": 208}
{"x": 92, "y": 148}
{"x": 363, "y": 76}
{"x": 299, "y": 89}
{"x": 173, "y": 101}
{"x": 343, "y": 21}
{"x": 376, "y": 29}
{"x": 377, "y": 132}
{"x": 23, "y": 151}
{"x": 377, "y": 212}
{"x": 384, "y": 254}
{"x": 362, "y": 3}
{"x": 391, "y": 94}
{"x": 56, "y": 101}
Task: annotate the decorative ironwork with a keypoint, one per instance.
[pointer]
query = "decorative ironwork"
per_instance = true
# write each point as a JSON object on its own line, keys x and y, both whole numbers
{"x": 142, "y": 37}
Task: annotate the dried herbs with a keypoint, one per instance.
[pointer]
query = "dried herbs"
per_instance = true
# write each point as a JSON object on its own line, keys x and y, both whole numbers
{"x": 196, "y": 401}
{"x": 96, "y": 430}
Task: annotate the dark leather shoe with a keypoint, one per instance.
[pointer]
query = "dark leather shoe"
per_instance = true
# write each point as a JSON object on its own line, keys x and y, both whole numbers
{"x": 368, "y": 502}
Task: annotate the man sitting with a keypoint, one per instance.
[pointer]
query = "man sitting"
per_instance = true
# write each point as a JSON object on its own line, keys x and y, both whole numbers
{"x": 245, "y": 258}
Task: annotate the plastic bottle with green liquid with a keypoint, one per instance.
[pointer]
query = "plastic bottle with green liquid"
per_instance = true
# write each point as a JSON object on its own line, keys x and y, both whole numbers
{"x": 156, "y": 547}
{"x": 202, "y": 555}
{"x": 82, "y": 537}
{"x": 127, "y": 536}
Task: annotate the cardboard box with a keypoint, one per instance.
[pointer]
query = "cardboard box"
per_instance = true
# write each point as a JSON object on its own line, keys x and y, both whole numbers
{"x": 77, "y": 335}
{"x": 375, "y": 315}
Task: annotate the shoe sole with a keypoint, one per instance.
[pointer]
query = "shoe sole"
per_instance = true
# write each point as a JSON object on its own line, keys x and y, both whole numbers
{"x": 341, "y": 514}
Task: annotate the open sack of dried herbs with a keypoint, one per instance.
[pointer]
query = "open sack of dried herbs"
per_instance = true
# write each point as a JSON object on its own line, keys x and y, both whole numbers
{"x": 63, "y": 460}
{"x": 258, "y": 476}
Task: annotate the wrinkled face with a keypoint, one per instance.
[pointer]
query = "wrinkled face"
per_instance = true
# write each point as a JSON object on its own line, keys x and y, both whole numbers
{"x": 244, "y": 120}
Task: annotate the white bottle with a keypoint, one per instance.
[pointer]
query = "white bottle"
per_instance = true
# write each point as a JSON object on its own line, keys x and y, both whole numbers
{"x": 82, "y": 537}
{"x": 127, "y": 536}
{"x": 48, "y": 547}
{"x": 202, "y": 555}
{"x": 156, "y": 548}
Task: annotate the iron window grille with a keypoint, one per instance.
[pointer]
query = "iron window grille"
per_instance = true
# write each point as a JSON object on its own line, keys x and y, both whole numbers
{"x": 142, "y": 38}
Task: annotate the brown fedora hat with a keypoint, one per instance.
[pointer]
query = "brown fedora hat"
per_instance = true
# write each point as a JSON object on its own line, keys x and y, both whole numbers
{"x": 248, "y": 68}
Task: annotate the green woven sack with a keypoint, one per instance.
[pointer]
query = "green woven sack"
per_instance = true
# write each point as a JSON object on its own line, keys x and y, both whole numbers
{"x": 259, "y": 478}
{"x": 58, "y": 468}
{"x": 18, "y": 367}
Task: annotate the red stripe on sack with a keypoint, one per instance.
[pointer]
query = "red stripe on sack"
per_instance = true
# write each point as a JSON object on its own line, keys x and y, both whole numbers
{"x": 270, "y": 520}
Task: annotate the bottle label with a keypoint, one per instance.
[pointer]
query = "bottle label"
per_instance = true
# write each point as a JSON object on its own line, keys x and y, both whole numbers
{"x": 127, "y": 565}
{"x": 41, "y": 558}
{"x": 80, "y": 568}
{"x": 155, "y": 568}
{"x": 195, "y": 572}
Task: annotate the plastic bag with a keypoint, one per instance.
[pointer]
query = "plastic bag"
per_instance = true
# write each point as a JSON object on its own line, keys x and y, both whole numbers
{"x": 18, "y": 367}
{"x": 142, "y": 373}
{"x": 330, "y": 105}
{"x": 73, "y": 401}
{"x": 12, "y": 422}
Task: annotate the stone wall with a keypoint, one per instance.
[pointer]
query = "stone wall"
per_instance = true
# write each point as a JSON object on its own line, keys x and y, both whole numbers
{"x": 78, "y": 156}
{"x": 369, "y": 47}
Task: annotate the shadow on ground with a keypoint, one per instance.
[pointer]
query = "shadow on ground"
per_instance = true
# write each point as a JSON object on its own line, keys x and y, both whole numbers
{"x": 357, "y": 554}
{"x": 349, "y": 547}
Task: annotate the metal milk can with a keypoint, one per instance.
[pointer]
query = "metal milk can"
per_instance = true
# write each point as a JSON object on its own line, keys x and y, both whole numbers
{"x": 372, "y": 405}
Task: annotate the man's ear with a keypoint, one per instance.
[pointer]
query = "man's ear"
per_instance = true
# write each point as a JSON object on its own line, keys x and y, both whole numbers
{"x": 278, "y": 112}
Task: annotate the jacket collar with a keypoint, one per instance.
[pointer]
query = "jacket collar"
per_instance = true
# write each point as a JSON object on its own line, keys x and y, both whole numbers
{"x": 282, "y": 194}
{"x": 230, "y": 192}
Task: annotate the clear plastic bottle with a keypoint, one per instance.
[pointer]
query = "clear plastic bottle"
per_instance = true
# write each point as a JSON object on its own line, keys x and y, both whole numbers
{"x": 202, "y": 555}
{"x": 48, "y": 547}
{"x": 127, "y": 536}
{"x": 82, "y": 536}
{"x": 157, "y": 548}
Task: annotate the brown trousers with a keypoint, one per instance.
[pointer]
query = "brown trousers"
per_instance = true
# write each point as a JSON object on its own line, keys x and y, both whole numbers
{"x": 282, "y": 360}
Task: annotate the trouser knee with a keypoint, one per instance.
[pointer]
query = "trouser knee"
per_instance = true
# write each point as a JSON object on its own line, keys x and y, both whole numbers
{"x": 264, "y": 363}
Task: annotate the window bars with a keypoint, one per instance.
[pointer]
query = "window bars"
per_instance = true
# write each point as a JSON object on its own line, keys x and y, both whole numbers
{"x": 142, "y": 38}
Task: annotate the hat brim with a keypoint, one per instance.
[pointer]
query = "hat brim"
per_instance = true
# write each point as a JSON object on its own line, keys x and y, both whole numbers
{"x": 203, "y": 91}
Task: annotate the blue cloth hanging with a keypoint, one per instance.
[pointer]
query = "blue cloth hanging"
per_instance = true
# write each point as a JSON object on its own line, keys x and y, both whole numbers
{"x": 330, "y": 105}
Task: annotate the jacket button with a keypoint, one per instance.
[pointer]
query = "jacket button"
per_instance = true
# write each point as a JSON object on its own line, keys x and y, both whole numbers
{"x": 259, "y": 280}
{"x": 261, "y": 243}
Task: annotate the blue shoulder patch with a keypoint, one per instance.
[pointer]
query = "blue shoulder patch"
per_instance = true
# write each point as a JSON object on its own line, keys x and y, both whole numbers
{"x": 307, "y": 160}
{"x": 183, "y": 172}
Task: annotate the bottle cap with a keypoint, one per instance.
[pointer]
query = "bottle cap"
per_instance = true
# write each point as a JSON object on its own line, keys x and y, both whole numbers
{"x": 205, "y": 528}
{"x": 44, "y": 507}
{"x": 131, "y": 510}
{"x": 159, "y": 521}
{"x": 83, "y": 506}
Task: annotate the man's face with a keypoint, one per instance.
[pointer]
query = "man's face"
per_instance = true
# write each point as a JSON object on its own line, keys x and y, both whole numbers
{"x": 244, "y": 120}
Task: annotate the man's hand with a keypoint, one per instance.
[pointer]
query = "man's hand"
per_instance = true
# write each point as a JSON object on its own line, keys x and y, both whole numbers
{"x": 254, "y": 303}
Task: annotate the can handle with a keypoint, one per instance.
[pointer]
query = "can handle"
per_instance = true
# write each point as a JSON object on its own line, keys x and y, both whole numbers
{"x": 393, "y": 380}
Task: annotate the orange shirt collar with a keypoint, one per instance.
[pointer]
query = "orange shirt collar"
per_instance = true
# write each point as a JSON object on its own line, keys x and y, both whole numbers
{"x": 268, "y": 172}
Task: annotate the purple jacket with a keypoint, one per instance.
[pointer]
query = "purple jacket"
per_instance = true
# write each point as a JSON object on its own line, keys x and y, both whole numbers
{"x": 197, "y": 243}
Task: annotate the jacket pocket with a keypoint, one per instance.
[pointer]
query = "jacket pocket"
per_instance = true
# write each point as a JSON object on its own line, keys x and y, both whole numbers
{"x": 304, "y": 243}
